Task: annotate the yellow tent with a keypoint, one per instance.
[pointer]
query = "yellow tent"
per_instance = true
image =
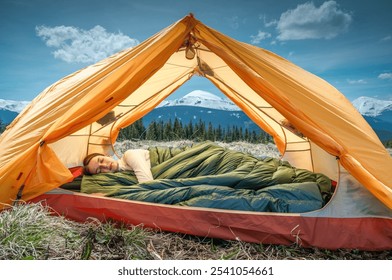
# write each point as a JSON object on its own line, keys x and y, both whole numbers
{"x": 61, "y": 125}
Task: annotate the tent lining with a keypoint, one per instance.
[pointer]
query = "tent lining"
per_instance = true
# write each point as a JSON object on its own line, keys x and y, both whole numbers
{"x": 179, "y": 65}
{"x": 295, "y": 151}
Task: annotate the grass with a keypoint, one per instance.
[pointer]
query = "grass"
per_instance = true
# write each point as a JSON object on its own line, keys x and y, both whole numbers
{"x": 31, "y": 231}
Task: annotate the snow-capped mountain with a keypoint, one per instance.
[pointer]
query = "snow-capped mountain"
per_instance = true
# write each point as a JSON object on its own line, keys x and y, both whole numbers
{"x": 201, "y": 105}
{"x": 378, "y": 113}
{"x": 9, "y": 109}
{"x": 200, "y": 98}
{"x": 367, "y": 106}
{"x": 208, "y": 107}
{"x": 13, "y": 106}
{"x": 372, "y": 107}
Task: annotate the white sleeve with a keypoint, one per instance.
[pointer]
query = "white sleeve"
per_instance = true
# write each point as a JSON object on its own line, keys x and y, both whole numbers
{"x": 139, "y": 161}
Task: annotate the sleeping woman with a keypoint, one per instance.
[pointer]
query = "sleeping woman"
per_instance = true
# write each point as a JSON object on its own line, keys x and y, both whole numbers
{"x": 136, "y": 160}
{"x": 207, "y": 175}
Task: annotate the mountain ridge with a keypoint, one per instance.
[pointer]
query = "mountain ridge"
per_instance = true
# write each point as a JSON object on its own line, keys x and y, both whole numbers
{"x": 204, "y": 105}
{"x": 200, "y": 98}
{"x": 372, "y": 107}
{"x": 367, "y": 106}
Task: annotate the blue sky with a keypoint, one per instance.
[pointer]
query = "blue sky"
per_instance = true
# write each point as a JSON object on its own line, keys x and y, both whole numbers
{"x": 346, "y": 42}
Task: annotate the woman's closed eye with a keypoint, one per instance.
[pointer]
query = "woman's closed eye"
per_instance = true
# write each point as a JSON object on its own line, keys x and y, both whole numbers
{"x": 100, "y": 161}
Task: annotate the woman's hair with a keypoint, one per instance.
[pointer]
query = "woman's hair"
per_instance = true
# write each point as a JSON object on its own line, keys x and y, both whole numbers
{"x": 87, "y": 160}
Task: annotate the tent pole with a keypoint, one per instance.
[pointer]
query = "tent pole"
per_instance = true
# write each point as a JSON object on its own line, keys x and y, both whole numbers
{"x": 19, "y": 195}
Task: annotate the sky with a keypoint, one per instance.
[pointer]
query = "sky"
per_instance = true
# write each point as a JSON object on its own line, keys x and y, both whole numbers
{"x": 348, "y": 43}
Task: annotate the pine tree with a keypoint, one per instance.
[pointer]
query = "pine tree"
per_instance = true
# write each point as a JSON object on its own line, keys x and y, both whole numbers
{"x": 210, "y": 133}
{"x": 246, "y": 136}
{"x": 168, "y": 130}
{"x": 152, "y": 131}
{"x": 2, "y": 126}
{"x": 219, "y": 133}
{"x": 177, "y": 130}
{"x": 189, "y": 131}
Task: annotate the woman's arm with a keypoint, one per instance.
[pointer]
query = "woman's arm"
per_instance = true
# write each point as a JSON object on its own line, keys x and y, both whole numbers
{"x": 139, "y": 161}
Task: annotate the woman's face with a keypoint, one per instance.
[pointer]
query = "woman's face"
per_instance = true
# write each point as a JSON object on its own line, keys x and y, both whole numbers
{"x": 102, "y": 164}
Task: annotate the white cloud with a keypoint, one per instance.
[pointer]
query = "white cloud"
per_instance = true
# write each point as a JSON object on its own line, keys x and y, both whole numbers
{"x": 78, "y": 45}
{"x": 256, "y": 39}
{"x": 234, "y": 22}
{"x": 356, "y": 82}
{"x": 309, "y": 22}
{"x": 268, "y": 23}
{"x": 385, "y": 76}
{"x": 386, "y": 38}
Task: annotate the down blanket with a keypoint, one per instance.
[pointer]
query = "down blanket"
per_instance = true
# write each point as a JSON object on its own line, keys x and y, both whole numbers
{"x": 208, "y": 175}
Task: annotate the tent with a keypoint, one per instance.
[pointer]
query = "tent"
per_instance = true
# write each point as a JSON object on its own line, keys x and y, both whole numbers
{"x": 84, "y": 112}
